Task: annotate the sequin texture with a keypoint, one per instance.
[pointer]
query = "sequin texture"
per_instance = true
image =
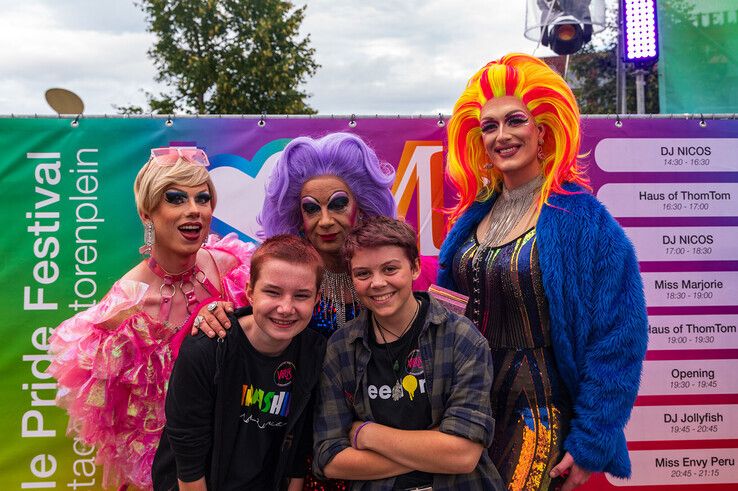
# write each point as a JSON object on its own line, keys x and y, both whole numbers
{"x": 324, "y": 318}
{"x": 530, "y": 405}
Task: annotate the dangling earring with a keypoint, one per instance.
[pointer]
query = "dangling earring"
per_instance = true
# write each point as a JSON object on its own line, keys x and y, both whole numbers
{"x": 148, "y": 238}
{"x": 540, "y": 150}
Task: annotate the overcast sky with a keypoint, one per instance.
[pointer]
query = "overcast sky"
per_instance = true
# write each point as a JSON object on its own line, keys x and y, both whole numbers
{"x": 376, "y": 57}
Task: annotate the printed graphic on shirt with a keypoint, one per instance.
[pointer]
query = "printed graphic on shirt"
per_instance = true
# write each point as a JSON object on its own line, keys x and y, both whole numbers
{"x": 265, "y": 407}
{"x": 412, "y": 380}
{"x": 284, "y": 374}
{"x": 414, "y": 369}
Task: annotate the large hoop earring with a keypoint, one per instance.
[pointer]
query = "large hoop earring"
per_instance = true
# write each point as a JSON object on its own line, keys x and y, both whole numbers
{"x": 148, "y": 238}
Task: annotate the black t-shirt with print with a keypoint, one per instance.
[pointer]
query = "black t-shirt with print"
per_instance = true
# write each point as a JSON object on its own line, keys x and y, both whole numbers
{"x": 412, "y": 411}
{"x": 266, "y": 391}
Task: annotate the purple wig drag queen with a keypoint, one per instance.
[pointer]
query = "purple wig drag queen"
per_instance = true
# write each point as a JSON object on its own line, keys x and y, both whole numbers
{"x": 343, "y": 155}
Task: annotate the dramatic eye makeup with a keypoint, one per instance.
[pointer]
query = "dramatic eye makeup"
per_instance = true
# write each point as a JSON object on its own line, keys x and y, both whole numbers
{"x": 310, "y": 205}
{"x": 175, "y": 196}
{"x": 516, "y": 119}
{"x": 488, "y": 125}
{"x": 338, "y": 201}
{"x": 203, "y": 197}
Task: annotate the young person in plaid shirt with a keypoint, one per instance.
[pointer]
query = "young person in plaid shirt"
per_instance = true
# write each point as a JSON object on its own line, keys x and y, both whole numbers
{"x": 405, "y": 392}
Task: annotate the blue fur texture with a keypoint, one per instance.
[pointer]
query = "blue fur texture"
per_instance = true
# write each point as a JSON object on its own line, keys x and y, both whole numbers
{"x": 599, "y": 327}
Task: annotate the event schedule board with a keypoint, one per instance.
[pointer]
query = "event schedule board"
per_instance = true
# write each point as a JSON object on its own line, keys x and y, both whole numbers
{"x": 673, "y": 186}
{"x": 671, "y": 183}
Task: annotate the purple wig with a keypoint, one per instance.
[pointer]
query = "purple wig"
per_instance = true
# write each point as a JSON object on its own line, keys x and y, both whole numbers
{"x": 342, "y": 155}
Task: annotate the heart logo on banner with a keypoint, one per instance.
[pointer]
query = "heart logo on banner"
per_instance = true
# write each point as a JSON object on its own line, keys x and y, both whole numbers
{"x": 241, "y": 186}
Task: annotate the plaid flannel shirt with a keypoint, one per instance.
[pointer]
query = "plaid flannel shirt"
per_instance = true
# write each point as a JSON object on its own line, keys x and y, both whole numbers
{"x": 458, "y": 371}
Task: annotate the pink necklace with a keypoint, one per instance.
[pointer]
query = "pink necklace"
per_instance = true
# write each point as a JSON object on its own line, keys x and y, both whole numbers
{"x": 182, "y": 282}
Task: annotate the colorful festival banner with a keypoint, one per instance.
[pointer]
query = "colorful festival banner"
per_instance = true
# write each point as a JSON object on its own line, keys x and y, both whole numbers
{"x": 73, "y": 230}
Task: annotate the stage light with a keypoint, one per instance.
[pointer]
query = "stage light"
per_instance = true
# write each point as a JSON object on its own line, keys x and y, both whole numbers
{"x": 640, "y": 32}
{"x": 566, "y": 35}
{"x": 564, "y": 25}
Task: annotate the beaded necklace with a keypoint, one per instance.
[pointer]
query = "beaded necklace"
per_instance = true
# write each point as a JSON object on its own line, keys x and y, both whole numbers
{"x": 334, "y": 289}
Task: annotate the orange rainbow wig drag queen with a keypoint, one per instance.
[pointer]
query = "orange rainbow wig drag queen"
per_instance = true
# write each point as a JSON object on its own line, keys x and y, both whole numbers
{"x": 552, "y": 280}
{"x": 552, "y": 104}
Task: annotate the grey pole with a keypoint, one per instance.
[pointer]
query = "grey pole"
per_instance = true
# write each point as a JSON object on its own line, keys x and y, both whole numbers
{"x": 640, "y": 91}
{"x": 621, "y": 106}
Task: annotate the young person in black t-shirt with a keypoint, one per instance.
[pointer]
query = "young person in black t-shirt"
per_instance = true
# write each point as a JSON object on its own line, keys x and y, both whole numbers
{"x": 405, "y": 391}
{"x": 239, "y": 410}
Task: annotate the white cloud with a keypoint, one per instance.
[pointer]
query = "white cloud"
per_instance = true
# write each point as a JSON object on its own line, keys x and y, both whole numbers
{"x": 45, "y": 49}
{"x": 409, "y": 57}
{"x": 405, "y": 58}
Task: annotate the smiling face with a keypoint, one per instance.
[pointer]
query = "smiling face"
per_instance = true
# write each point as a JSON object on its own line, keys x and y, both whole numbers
{"x": 383, "y": 277}
{"x": 511, "y": 138}
{"x": 328, "y": 213}
{"x": 283, "y": 299}
{"x": 181, "y": 220}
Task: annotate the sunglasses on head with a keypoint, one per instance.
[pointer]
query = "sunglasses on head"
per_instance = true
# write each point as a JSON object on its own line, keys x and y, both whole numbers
{"x": 167, "y": 156}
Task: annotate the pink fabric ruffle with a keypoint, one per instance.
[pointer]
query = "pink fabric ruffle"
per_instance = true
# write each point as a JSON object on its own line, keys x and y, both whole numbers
{"x": 234, "y": 283}
{"x": 113, "y": 362}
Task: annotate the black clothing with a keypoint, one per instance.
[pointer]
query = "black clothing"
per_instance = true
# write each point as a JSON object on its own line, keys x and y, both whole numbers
{"x": 203, "y": 409}
{"x": 400, "y": 362}
{"x": 265, "y": 397}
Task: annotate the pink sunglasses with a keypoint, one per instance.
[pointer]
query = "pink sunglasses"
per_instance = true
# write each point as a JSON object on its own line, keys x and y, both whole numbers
{"x": 167, "y": 156}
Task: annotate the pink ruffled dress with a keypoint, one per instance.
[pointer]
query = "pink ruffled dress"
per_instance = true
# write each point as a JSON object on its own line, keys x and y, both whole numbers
{"x": 113, "y": 362}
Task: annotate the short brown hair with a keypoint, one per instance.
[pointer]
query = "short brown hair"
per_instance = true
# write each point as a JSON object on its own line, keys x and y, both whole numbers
{"x": 289, "y": 248}
{"x": 379, "y": 231}
{"x": 154, "y": 179}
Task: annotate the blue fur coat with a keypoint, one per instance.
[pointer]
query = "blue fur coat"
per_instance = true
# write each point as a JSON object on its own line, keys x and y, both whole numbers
{"x": 599, "y": 328}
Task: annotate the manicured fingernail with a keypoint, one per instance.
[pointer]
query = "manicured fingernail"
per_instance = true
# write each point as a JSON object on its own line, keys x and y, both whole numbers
{"x": 221, "y": 334}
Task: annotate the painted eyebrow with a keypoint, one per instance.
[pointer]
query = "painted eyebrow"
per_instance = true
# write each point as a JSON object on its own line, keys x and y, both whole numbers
{"x": 174, "y": 187}
{"x": 514, "y": 111}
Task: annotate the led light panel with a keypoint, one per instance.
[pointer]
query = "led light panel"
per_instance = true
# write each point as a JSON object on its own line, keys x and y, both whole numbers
{"x": 640, "y": 31}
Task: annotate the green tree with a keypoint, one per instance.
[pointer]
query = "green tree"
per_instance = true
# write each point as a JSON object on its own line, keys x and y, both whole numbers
{"x": 229, "y": 56}
{"x": 593, "y": 73}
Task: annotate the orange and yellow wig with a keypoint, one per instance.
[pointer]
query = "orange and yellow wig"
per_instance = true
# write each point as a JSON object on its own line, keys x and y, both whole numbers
{"x": 551, "y": 102}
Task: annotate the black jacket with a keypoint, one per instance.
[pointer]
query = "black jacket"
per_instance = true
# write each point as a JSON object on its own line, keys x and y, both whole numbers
{"x": 203, "y": 407}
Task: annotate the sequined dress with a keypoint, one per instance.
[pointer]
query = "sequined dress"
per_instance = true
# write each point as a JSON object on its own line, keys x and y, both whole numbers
{"x": 113, "y": 361}
{"x": 324, "y": 317}
{"x": 530, "y": 405}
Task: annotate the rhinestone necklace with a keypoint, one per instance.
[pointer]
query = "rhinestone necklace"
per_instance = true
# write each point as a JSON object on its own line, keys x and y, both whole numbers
{"x": 334, "y": 289}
